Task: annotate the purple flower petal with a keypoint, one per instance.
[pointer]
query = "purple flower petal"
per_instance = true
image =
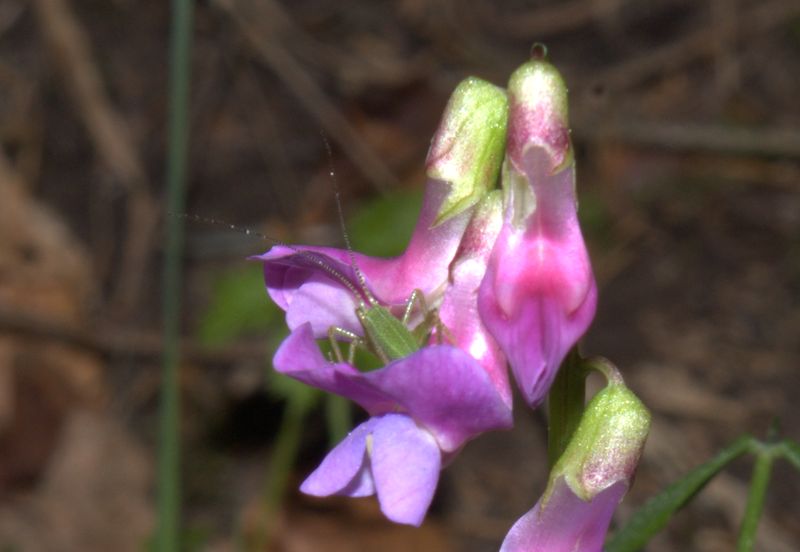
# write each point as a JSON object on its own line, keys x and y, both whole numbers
{"x": 564, "y": 522}
{"x": 405, "y": 461}
{"x": 345, "y": 470}
{"x": 447, "y": 391}
{"x": 442, "y": 387}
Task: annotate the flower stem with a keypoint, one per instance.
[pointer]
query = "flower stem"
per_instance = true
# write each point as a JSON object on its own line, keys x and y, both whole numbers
{"x": 565, "y": 404}
{"x": 169, "y": 430}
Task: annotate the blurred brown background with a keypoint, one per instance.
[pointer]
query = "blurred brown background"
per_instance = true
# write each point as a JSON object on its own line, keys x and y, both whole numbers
{"x": 687, "y": 130}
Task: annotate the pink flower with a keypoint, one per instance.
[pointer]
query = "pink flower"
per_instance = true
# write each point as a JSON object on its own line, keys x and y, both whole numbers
{"x": 538, "y": 296}
{"x": 426, "y": 405}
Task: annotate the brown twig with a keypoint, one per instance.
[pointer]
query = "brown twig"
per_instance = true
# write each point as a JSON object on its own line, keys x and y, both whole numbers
{"x": 110, "y": 135}
{"x": 273, "y": 52}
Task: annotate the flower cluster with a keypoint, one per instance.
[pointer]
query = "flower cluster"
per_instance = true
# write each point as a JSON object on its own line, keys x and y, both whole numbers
{"x": 491, "y": 278}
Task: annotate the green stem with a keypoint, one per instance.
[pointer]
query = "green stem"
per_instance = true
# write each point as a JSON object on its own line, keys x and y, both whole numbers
{"x": 755, "y": 500}
{"x": 565, "y": 405}
{"x": 169, "y": 430}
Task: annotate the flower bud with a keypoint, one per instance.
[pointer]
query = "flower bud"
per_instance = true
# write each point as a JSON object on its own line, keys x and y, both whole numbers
{"x": 538, "y": 296}
{"x": 467, "y": 149}
{"x": 589, "y": 480}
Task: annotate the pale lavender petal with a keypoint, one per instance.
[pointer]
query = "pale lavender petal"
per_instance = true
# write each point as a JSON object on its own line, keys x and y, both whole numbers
{"x": 565, "y": 523}
{"x": 345, "y": 470}
{"x": 405, "y": 461}
{"x": 299, "y": 357}
{"x": 324, "y": 306}
{"x": 447, "y": 391}
{"x": 313, "y": 284}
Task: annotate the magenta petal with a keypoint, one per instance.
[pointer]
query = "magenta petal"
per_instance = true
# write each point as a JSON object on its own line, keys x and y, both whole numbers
{"x": 405, "y": 462}
{"x": 344, "y": 471}
{"x": 447, "y": 391}
{"x": 565, "y": 523}
{"x": 538, "y": 296}
{"x": 459, "y": 309}
{"x": 536, "y": 335}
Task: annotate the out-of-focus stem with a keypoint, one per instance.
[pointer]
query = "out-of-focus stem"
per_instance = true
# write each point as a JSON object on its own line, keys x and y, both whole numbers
{"x": 169, "y": 430}
{"x": 565, "y": 405}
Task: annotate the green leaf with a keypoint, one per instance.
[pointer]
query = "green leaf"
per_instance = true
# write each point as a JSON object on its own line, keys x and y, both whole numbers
{"x": 652, "y": 517}
{"x": 755, "y": 498}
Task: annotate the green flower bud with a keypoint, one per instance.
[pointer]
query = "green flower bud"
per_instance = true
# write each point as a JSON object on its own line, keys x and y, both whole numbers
{"x": 607, "y": 444}
{"x": 467, "y": 149}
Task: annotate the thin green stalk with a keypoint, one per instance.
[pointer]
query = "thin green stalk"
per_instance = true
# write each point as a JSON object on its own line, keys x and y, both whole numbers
{"x": 169, "y": 430}
{"x": 565, "y": 405}
{"x": 755, "y": 499}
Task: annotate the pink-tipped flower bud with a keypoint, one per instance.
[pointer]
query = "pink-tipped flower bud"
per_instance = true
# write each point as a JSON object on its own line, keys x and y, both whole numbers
{"x": 538, "y": 296}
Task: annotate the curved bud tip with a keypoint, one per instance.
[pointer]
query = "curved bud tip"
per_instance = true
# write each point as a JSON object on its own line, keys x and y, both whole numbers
{"x": 539, "y": 51}
{"x": 538, "y": 112}
{"x": 607, "y": 444}
{"x": 467, "y": 149}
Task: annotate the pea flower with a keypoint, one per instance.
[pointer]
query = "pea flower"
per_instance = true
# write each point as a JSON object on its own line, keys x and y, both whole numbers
{"x": 423, "y": 408}
{"x": 589, "y": 480}
{"x": 538, "y": 296}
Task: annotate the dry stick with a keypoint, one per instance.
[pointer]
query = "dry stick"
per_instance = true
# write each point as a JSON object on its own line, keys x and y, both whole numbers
{"x": 110, "y": 136}
{"x": 311, "y": 96}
